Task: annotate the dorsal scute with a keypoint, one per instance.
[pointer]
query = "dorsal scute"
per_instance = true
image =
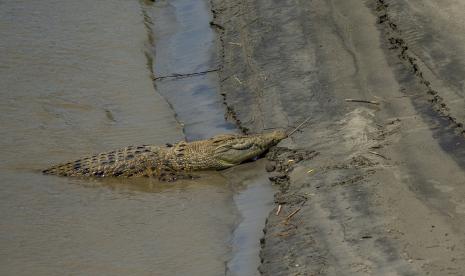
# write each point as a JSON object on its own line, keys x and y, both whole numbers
{"x": 223, "y": 137}
{"x": 125, "y": 161}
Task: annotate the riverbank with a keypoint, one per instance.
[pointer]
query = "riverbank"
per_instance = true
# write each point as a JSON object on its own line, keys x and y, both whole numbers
{"x": 371, "y": 186}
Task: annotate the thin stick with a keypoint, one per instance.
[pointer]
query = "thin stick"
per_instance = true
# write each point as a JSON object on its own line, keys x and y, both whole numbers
{"x": 292, "y": 214}
{"x": 299, "y": 126}
{"x": 362, "y": 101}
{"x": 279, "y": 209}
{"x": 180, "y": 76}
{"x": 380, "y": 155}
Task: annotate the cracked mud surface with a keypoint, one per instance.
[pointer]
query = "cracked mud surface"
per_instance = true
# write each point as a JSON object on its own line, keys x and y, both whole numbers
{"x": 364, "y": 189}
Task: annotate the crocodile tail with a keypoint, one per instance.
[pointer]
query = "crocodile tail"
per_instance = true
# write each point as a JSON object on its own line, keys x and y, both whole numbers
{"x": 127, "y": 162}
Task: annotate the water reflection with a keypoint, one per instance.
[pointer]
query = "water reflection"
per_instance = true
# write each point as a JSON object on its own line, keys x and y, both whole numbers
{"x": 199, "y": 180}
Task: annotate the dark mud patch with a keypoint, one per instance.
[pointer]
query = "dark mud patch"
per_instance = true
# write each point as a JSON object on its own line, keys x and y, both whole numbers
{"x": 285, "y": 160}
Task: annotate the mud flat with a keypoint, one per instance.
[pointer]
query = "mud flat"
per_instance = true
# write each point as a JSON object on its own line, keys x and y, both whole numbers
{"x": 367, "y": 188}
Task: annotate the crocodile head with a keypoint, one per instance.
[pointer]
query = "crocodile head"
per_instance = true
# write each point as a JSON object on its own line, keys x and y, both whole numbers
{"x": 232, "y": 150}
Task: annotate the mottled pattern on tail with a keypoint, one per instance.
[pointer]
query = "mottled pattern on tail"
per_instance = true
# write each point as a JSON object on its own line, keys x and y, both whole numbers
{"x": 130, "y": 161}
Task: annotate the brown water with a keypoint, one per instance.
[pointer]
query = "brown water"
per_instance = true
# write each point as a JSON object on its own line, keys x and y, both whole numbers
{"x": 74, "y": 80}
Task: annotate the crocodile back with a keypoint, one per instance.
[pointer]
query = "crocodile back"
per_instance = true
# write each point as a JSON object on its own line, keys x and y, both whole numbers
{"x": 128, "y": 161}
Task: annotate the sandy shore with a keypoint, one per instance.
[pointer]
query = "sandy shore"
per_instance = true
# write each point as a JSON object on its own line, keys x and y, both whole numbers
{"x": 367, "y": 188}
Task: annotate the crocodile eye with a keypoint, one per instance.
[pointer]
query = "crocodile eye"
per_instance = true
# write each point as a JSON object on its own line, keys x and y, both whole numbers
{"x": 242, "y": 146}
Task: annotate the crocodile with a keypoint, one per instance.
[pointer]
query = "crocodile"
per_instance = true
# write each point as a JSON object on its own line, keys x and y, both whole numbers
{"x": 217, "y": 153}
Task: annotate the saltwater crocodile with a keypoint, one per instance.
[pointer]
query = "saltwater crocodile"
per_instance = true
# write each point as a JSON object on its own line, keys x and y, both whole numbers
{"x": 217, "y": 153}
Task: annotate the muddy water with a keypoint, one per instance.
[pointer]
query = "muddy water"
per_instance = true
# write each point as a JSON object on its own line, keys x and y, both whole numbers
{"x": 74, "y": 80}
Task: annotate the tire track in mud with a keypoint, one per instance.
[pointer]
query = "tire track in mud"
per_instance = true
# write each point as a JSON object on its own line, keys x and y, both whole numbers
{"x": 397, "y": 40}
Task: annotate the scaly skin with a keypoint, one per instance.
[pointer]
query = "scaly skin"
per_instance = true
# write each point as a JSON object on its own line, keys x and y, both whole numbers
{"x": 217, "y": 153}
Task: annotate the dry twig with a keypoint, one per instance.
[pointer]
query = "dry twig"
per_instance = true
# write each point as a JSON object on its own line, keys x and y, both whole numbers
{"x": 378, "y": 154}
{"x": 291, "y": 215}
{"x": 180, "y": 76}
{"x": 298, "y": 127}
{"x": 279, "y": 209}
{"x": 362, "y": 101}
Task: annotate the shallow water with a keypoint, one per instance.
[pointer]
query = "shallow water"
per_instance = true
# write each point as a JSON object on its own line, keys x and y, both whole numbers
{"x": 254, "y": 200}
{"x": 185, "y": 44}
{"x": 75, "y": 81}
